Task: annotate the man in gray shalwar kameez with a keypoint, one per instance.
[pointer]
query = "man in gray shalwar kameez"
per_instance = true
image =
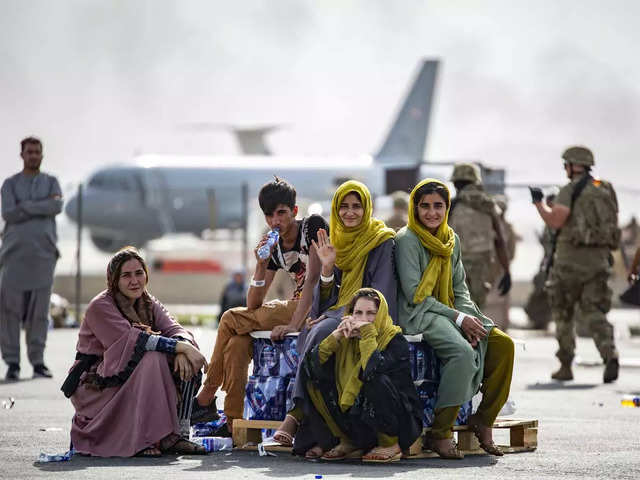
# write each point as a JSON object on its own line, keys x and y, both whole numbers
{"x": 30, "y": 201}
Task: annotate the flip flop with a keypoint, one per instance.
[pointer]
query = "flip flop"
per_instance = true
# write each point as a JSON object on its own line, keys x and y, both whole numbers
{"x": 341, "y": 452}
{"x": 312, "y": 454}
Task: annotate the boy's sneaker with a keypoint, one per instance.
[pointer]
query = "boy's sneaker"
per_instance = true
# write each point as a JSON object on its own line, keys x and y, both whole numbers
{"x": 13, "y": 373}
{"x": 200, "y": 414}
{"x": 41, "y": 371}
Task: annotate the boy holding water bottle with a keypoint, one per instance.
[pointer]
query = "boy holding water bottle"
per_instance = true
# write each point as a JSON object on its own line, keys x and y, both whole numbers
{"x": 292, "y": 253}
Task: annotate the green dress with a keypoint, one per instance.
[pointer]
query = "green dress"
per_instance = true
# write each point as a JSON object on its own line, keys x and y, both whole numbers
{"x": 462, "y": 366}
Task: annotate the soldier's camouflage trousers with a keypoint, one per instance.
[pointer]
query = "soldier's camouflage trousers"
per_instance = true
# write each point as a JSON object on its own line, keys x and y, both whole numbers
{"x": 478, "y": 272}
{"x": 566, "y": 288}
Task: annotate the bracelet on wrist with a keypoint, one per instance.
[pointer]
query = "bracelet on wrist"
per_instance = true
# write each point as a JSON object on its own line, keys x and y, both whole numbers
{"x": 328, "y": 279}
{"x": 257, "y": 283}
{"x": 459, "y": 319}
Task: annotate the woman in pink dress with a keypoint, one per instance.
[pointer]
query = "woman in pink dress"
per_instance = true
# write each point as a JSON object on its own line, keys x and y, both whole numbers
{"x": 135, "y": 373}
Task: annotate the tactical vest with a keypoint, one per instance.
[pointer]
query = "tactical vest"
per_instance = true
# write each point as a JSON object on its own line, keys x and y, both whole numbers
{"x": 593, "y": 221}
{"x": 472, "y": 222}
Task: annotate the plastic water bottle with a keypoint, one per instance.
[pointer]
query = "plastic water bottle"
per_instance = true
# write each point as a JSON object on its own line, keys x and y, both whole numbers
{"x": 630, "y": 401}
{"x": 214, "y": 444}
{"x": 272, "y": 237}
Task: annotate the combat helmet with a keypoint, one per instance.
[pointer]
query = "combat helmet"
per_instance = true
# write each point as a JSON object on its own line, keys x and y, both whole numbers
{"x": 400, "y": 200}
{"x": 465, "y": 172}
{"x": 578, "y": 155}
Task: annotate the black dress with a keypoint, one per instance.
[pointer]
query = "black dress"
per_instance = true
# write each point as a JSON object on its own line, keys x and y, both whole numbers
{"x": 387, "y": 402}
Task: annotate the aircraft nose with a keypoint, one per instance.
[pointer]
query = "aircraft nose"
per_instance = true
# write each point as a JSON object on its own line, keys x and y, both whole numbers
{"x": 71, "y": 208}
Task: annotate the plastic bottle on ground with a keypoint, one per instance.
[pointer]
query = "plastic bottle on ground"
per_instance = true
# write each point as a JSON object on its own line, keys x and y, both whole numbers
{"x": 214, "y": 444}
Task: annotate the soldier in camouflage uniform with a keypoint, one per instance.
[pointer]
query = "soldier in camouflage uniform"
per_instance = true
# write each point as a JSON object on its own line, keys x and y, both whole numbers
{"x": 475, "y": 218}
{"x": 586, "y": 213}
{"x": 399, "y": 217}
{"x": 538, "y": 308}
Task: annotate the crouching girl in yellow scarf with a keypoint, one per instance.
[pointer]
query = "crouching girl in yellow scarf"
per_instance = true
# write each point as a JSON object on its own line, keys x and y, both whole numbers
{"x": 433, "y": 300}
{"x": 357, "y": 252}
{"x": 359, "y": 381}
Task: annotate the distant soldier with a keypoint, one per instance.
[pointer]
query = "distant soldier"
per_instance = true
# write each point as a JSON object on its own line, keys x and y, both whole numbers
{"x": 30, "y": 202}
{"x": 538, "y": 308}
{"x": 586, "y": 215}
{"x": 399, "y": 217}
{"x": 498, "y": 306}
{"x": 475, "y": 217}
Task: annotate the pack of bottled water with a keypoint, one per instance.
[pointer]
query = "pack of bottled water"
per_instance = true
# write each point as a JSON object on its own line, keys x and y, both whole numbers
{"x": 275, "y": 359}
{"x": 424, "y": 363}
{"x": 428, "y": 394}
{"x": 289, "y": 393}
{"x": 265, "y": 398}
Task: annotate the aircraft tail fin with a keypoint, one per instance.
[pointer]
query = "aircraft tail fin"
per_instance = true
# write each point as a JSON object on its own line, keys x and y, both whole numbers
{"x": 406, "y": 140}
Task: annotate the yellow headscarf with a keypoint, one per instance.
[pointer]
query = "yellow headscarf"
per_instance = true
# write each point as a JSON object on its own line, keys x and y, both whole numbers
{"x": 353, "y": 244}
{"x": 437, "y": 278}
{"x": 350, "y": 360}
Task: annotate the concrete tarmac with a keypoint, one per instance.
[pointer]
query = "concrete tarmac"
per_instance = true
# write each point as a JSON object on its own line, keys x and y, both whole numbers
{"x": 584, "y": 432}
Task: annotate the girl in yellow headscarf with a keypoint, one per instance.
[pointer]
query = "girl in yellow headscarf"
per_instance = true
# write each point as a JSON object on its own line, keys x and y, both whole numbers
{"x": 357, "y": 252}
{"x": 433, "y": 300}
{"x": 360, "y": 385}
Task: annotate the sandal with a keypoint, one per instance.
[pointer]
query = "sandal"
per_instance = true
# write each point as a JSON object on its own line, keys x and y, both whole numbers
{"x": 176, "y": 445}
{"x": 314, "y": 453}
{"x": 285, "y": 438}
{"x": 490, "y": 448}
{"x": 342, "y": 451}
{"x": 383, "y": 454}
{"x": 451, "y": 452}
{"x": 149, "y": 452}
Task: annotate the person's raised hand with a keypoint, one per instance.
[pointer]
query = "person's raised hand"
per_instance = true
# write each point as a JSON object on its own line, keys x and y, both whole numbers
{"x": 263, "y": 241}
{"x": 536, "y": 194}
{"x": 326, "y": 252}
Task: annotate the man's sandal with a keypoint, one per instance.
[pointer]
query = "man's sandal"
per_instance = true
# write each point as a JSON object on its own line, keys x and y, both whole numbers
{"x": 383, "y": 454}
{"x": 451, "y": 452}
{"x": 285, "y": 438}
{"x": 342, "y": 451}
{"x": 176, "y": 445}
{"x": 149, "y": 452}
{"x": 490, "y": 448}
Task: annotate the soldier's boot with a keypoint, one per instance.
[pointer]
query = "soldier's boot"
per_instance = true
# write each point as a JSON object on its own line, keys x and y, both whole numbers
{"x": 563, "y": 373}
{"x": 611, "y": 370}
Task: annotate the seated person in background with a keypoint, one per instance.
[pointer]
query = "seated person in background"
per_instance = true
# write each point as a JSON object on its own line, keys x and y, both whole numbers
{"x": 433, "y": 300}
{"x": 359, "y": 382}
{"x": 232, "y": 352}
{"x": 358, "y": 253}
{"x": 136, "y": 371}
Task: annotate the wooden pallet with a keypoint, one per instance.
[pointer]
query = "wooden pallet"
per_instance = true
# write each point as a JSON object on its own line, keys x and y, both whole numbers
{"x": 247, "y": 434}
{"x": 523, "y": 437}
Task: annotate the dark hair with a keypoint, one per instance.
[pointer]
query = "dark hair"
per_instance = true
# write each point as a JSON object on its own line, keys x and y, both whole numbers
{"x": 278, "y": 192}
{"x": 368, "y": 293}
{"x": 115, "y": 266}
{"x": 353, "y": 192}
{"x": 29, "y": 140}
{"x": 428, "y": 189}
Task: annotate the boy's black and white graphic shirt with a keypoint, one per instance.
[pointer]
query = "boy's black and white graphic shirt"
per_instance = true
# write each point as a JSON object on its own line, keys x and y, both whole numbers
{"x": 294, "y": 261}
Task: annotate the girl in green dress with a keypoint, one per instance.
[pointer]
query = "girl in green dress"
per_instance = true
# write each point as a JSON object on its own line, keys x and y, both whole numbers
{"x": 433, "y": 300}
